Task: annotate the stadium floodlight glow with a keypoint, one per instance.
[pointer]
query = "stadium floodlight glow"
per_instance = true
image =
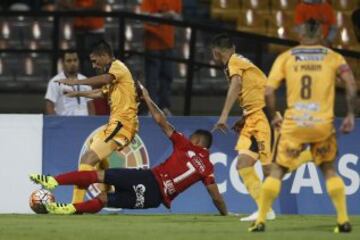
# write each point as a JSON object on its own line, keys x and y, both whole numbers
{"x": 108, "y": 8}
{"x": 1, "y": 66}
{"x": 281, "y": 32}
{"x": 339, "y": 19}
{"x": 67, "y": 31}
{"x": 33, "y": 46}
{"x": 64, "y": 45}
{"x": 36, "y": 30}
{"x": 279, "y": 18}
{"x": 182, "y": 69}
{"x": 188, "y": 33}
{"x": 5, "y": 30}
{"x": 212, "y": 71}
{"x": 29, "y": 66}
{"x": 223, "y": 3}
{"x": 186, "y": 50}
{"x": 345, "y": 35}
{"x": 60, "y": 65}
{"x": 254, "y": 3}
{"x": 249, "y": 17}
{"x": 128, "y": 33}
{"x": 284, "y": 3}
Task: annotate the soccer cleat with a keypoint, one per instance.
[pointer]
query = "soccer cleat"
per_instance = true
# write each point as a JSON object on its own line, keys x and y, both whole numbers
{"x": 257, "y": 227}
{"x": 269, "y": 216}
{"x": 60, "y": 208}
{"x": 48, "y": 182}
{"x": 343, "y": 228}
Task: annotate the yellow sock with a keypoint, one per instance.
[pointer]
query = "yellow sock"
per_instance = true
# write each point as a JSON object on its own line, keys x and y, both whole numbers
{"x": 269, "y": 191}
{"x": 252, "y": 182}
{"x": 336, "y": 190}
{"x": 78, "y": 193}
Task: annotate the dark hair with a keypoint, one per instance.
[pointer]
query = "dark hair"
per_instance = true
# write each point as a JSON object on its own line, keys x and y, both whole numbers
{"x": 206, "y": 135}
{"x": 102, "y": 47}
{"x": 68, "y": 51}
{"x": 311, "y": 27}
{"x": 222, "y": 41}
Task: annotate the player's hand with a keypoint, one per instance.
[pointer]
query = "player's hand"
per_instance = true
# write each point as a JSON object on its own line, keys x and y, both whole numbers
{"x": 348, "y": 124}
{"x": 222, "y": 126}
{"x": 239, "y": 125}
{"x": 68, "y": 81}
{"x": 70, "y": 94}
{"x": 277, "y": 121}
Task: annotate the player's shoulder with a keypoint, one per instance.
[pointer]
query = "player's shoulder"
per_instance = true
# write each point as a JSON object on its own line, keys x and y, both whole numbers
{"x": 239, "y": 59}
{"x": 59, "y": 76}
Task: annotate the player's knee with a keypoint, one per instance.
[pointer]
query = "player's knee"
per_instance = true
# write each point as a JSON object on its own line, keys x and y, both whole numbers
{"x": 328, "y": 170}
{"x": 89, "y": 158}
{"x": 244, "y": 161}
{"x": 277, "y": 171}
{"x": 103, "y": 197}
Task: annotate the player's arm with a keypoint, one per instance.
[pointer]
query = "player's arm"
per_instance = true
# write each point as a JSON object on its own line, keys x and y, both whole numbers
{"x": 93, "y": 81}
{"x": 347, "y": 77}
{"x": 49, "y": 107}
{"x": 93, "y": 94}
{"x": 91, "y": 107}
{"x": 217, "y": 198}
{"x": 270, "y": 99}
{"x": 232, "y": 95}
{"x": 156, "y": 113}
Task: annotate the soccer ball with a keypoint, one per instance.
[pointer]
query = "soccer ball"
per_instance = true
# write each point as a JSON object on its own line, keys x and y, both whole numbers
{"x": 38, "y": 199}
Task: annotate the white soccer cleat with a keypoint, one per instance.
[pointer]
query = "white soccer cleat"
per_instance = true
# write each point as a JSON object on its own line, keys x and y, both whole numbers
{"x": 269, "y": 216}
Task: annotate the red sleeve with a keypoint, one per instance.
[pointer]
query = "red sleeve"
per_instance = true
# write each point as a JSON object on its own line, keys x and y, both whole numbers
{"x": 209, "y": 179}
{"x": 178, "y": 139}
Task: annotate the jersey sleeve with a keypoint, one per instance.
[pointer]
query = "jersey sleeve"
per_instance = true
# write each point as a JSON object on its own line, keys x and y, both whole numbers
{"x": 178, "y": 139}
{"x": 338, "y": 61}
{"x": 235, "y": 68}
{"x": 52, "y": 92}
{"x": 209, "y": 179}
{"x": 117, "y": 71}
{"x": 277, "y": 72}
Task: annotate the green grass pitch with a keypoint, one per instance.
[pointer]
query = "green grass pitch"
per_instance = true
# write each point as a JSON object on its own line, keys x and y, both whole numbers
{"x": 169, "y": 227}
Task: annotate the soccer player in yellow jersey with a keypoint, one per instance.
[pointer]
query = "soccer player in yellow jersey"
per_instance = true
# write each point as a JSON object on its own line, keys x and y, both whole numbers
{"x": 247, "y": 85}
{"x": 118, "y": 86}
{"x": 309, "y": 71}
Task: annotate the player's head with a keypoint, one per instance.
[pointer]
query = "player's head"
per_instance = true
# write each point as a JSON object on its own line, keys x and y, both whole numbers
{"x": 202, "y": 138}
{"x": 222, "y": 46}
{"x": 70, "y": 60}
{"x": 101, "y": 56}
{"x": 311, "y": 30}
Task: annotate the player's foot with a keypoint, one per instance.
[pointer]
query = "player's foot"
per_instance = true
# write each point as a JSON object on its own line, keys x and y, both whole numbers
{"x": 343, "y": 228}
{"x": 257, "y": 227}
{"x": 269, "y": 216}
{"x": 48, "y": 182}
{"x": 60, "y": 208}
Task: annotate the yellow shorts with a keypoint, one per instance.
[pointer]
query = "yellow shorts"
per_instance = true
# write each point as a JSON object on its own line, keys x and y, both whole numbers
{"x": 115, "y": 136}
{"x": 256, "y": 137}
{"x": 288, "y": 150}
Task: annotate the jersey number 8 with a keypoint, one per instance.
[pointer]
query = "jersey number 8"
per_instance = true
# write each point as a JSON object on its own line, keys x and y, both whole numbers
{"x": 306, "y": 87}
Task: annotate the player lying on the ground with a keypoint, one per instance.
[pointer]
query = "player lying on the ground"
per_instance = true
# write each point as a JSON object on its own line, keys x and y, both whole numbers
{"x": 139, "y": 188}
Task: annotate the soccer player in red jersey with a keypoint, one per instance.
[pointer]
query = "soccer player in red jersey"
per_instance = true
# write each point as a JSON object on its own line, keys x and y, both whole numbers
{"x": 139, "y": 188}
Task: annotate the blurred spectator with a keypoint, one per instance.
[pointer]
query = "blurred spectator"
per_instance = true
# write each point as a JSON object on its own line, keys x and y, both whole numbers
{"x": 319, "y": 10}
{"x": 355, "y": 17}
{"x": 88, "y": 31}
{"x": 26, "y": 5}
{"x": 159, "y": 41}
{"x": 55, "y": 101}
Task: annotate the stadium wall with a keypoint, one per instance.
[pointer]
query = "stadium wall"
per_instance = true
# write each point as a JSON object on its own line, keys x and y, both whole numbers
{"x": 21, "y": 154}
{"x": 30, "y": 143}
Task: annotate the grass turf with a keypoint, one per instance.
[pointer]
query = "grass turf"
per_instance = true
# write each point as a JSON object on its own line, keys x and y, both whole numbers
{"x": 169, "y": 227}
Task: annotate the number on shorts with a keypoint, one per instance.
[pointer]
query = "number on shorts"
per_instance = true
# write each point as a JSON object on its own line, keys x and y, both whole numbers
{"x": 190, "y": 171}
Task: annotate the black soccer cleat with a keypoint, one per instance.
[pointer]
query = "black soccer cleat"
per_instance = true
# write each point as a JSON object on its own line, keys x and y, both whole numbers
{"x": 257, "y": 227}
{"x": 343, "y": 228}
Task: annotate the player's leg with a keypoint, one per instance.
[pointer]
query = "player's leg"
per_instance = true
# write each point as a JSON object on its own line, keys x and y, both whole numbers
{"x": 324, "y": 155}
{"x": 286, "y": 152}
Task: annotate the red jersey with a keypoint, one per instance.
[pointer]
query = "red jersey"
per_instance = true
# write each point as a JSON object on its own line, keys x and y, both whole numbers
{"x": 186, "y": 165}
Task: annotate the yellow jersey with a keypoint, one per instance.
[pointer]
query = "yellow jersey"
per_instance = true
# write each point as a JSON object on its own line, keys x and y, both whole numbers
{"x": 310, "y": 74}
{"x": 251, "y": 96}
{"x": 121, "y": 95}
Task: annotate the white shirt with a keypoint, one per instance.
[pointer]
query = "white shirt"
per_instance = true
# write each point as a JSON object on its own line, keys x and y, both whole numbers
{"x": 66, "y": 106}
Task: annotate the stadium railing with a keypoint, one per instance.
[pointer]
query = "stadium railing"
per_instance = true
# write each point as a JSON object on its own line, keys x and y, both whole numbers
{"x": 123, "y": 16}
